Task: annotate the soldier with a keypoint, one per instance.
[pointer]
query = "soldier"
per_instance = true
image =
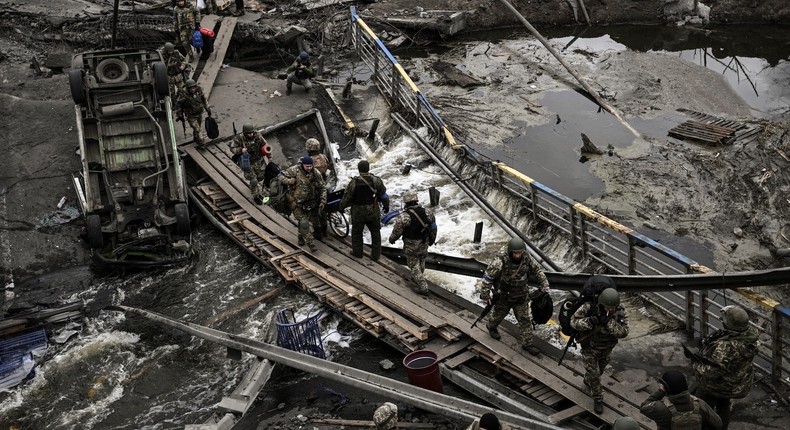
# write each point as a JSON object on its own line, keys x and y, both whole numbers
{"x": 300, "y": 73}
{"x": 418, "y": 227}
{"x": 506, "y": 278}
{"x": 186, "y": 18}
{"x": 191, "y": 103}
{"x": 363, "y": 194}
{"x": 177, "y": 67}
{"x": 723, "y": 369}
{"x": 673, "y": 408}
{"x": 309, "y": 197}
{"x": 320, "y": 161}
{"x": 386, "y": 416}
{"x": 600, "y": 325}
{"x": 252, "y": 142}
{"x": 239, "y": 8}
{"x": 211, "y": 7}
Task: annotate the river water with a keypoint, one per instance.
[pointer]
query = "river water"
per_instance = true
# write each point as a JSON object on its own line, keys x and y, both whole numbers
{"x": 126, "y": 373}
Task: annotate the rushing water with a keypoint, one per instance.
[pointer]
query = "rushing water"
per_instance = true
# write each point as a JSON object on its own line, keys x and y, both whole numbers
{"x": 128, "y": 373}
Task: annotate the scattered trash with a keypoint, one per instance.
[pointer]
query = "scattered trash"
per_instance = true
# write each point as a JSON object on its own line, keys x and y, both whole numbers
{"x": 225, "y": 66}
{"x": 62, "y": 202}
{"x": 533, "y": 86}
{"x": 275, "y": 93}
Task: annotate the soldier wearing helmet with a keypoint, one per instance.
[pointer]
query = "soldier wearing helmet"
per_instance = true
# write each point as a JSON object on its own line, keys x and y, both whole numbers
{"x": 363, "y": 194}
{"x": 600, "y": 324}
{"x": 723, "y": 368}
{"x": 505, "y": 285}
{"x": 191, "y": 104}
{"x": 300, "y": 72}
{"x": 177, "y": 69}
{"x": 186, "y": 18}
{"x": 625, "y": 423}
{"x": 673, "y": 408}
{"x": 320, "y": 161}
{"x": 386, "y": 416}
{"x": 309, "y": 199}
{"x": 252, "y": 143}
{"x": 417, "y": 225}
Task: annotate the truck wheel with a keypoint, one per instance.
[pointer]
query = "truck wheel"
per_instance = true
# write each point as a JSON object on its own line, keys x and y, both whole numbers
{"x": 95, "y": 237}
{"x": 77, "y": 86}
{"x": 112, "y": 71}
{"x": 160, "y": 79}
{"x": 182, "y": 219}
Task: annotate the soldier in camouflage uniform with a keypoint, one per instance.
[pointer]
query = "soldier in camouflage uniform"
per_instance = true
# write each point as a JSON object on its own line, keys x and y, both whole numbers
{"x": 191, "y": 103}
{"x": 309, "y": 198}
{"x": 506, "y": 279}
{"x": 252, "y": 142}
{"x": 673, "y": 408}
{"x": 386, "y": 416}
{"x": 186, "y": 19}
{"x": 725, "y": 371}
{"x": 320, "y": 163}
{"x": 176, "y": 69}
{"x": 363, "y": 194}
{"x": 211, "y": 7}
{"x": 600, "y": 325}
{"x": 418, "y": 227}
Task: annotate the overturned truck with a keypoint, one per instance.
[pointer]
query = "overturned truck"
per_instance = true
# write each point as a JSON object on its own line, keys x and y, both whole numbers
{"x": 132, "y": 187}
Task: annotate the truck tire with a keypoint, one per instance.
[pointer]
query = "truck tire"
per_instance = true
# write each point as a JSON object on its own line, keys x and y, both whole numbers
{"x": 95, "y": 236}
{"x": 182, "y": 219}
{"x": 112, "y": 71}
{"x": 160, "y": 79}
{"x": 77, "y": 86}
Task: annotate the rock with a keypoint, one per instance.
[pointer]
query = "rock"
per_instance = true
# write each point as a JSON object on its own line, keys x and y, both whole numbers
{"x": 386, "y": 364}
{"x": 737, "y": 231}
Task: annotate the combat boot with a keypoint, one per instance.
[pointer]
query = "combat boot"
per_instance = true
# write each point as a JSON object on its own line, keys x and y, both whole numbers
{"x": 312, "y": 247}
{"x": 288, "y": 91}
{"x": 493, "y": 332}
{"x": 531, "y": 349}
{"x": 301, "y": 241}
{"x": 598, "y": 406}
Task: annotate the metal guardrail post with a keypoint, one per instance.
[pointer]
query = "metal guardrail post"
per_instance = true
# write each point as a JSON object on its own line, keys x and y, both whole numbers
{"x": 583, "y": 236}
{"x": 704, "y": 324}
{"x": 631, "y": 255}
{"x": 534, "y": 197}
{"x": 690, "y": 314}
{"x": 776, "y": 345}
{"x": 572, "y": 223}
{"x": 417, "y": 109}
{"x": 395, "y": 86}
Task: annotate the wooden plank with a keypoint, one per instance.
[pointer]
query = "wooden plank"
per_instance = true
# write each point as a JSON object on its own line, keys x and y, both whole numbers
{"x": 454, "y": 348}
{"x": 565, "y": 414}
{"x": 221, "y": 43}
{"x": 460, "y": 359}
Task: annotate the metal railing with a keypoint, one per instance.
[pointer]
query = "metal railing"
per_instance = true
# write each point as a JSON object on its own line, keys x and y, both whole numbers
{"x": 598, "y": 239}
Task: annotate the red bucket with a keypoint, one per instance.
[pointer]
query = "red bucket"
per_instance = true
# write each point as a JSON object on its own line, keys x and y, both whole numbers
{"x": 422, "y": 368}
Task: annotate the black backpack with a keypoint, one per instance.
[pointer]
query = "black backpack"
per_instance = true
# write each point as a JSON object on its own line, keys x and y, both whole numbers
{"x": 590, "y": 291}
{"x": 212, "y": 129}
{"x": 542, "y": 307}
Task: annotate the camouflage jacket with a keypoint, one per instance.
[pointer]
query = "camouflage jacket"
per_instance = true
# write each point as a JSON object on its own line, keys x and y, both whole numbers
{"x": 308, "y": 189}
{"x": 408, "y": 224}
{"x": 302, "y": 71}
{"x": 363, "y": 194}
{"x": 191, "y": 104}
{"x": 320, "y": 163}
{"x": 186, "y": 18}
{"x": 734, "y": 352}
{"x": 506, "y": 277}
{"x": 655, "y": 407}
{"x": 175, "y": 62}
{"x": 599, "y": 336}
{"x": 257, "y": 147}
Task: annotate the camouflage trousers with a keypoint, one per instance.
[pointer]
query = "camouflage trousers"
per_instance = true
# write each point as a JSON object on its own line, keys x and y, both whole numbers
{"x": 307, "y": 220}
{"x": 595, "y": 361}
{"x": 521, "y": 311}
{"x": 176, "y": 84}
{"x": 416, "y": 251}
{"x": 211, "y": 7}
{"x": 254, "y": 177}
{"x": 185, "y": 40}
{"x": 197, "y": 131}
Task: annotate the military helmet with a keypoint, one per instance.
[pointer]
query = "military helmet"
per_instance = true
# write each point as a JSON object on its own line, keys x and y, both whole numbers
{"x": 734, "y": 318}
{"x": 516, "y": 244}
{"x": 312, "y": 144}
{"x": 247, "y": 128}
{"x": 409, "y": 197}
{"x": 625, "y": 423}
{"x": 169, "y": 48}
{"x": 190, "y": 83}
{"x": 303, "y": 57}
{"x": 609, "y": 298}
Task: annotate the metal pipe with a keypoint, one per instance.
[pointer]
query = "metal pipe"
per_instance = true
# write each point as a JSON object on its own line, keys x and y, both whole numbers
{"x": 397, "y": 390}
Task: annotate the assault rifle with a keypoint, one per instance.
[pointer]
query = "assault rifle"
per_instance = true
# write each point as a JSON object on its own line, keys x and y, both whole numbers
{"x": 487, "y": 309}
{"x": 699, "y": 358}
{"x": 571, "y": 343}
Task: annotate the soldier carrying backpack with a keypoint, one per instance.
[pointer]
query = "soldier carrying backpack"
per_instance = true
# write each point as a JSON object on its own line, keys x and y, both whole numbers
{"x": 673, "y": 408}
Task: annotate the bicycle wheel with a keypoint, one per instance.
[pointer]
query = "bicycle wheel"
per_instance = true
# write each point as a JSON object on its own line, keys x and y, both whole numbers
{"x": 338, "y": 224}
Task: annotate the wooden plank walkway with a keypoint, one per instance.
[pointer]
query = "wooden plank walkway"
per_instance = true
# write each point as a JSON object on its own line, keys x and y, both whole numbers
{"x": 376, "y": 296}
